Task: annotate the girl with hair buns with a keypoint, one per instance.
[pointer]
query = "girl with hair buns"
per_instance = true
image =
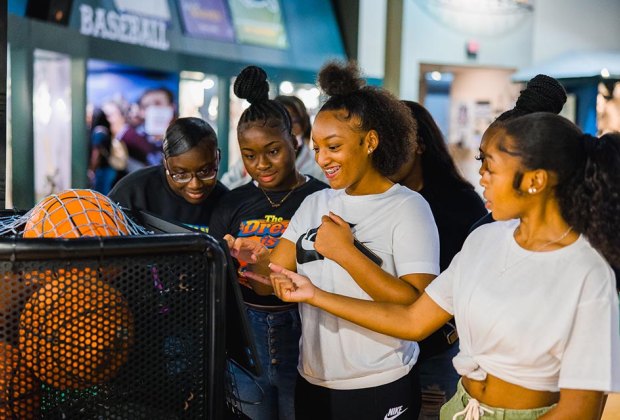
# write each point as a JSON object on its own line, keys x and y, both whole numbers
{"x": 361, "y": 136}
{"x": 542, "y": 94}
{"x": 260, "y": 211}
{"x": 532, "y": 294}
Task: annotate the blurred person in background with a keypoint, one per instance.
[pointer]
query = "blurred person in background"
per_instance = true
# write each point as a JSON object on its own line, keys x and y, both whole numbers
{"x": 108, "y": 156}
{"x": 144, "y": 141}
{"x": 455, "y": 205}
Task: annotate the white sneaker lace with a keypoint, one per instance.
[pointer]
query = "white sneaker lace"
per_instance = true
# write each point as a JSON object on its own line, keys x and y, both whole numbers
{"x": 472, "y": 411}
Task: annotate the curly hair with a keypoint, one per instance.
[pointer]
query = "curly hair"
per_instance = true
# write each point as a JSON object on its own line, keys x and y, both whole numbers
{"x": 251, "y": 84}
{"x": 375, "y": 108}
{"x": 185, "y": 134}
{"x": 587, "y": 174}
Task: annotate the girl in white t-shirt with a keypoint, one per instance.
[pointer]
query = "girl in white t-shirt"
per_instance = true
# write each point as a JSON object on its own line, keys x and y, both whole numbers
{"x": 534, "y": 297}
{"x": 360, "y": 136}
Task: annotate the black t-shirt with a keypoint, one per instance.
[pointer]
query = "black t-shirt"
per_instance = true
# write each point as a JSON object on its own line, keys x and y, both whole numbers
{"x": 246, "y": 212}
{"x": 147, "y": 189}
{"x": 454, "y": 210}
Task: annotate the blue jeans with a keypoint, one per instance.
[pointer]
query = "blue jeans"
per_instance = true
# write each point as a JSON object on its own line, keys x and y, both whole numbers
{"x": 272, "y": 395}
{"x": 438, "y": 380}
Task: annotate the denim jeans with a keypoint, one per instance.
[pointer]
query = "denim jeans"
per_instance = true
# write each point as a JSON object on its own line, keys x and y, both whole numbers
{"x": 438, "y": 380}
{"x": 272, "y": 395}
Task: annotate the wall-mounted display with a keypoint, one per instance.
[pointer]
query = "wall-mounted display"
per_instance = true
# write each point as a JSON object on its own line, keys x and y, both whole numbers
{"x": 259, "y": 22}
{"x": 207, "y": 19}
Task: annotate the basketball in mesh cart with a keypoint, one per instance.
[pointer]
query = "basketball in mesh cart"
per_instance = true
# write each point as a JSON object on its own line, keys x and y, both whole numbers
{"x": 102, "y": 318}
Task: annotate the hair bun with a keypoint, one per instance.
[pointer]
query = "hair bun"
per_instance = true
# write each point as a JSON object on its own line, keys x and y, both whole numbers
{"x": 340, "y": 78}
{"x": 251, "y": 84}
{"x": 542, "y": 94}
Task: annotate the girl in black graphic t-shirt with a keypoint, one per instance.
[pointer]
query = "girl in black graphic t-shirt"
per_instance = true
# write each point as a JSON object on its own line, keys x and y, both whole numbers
{"x": 261, "y": 210}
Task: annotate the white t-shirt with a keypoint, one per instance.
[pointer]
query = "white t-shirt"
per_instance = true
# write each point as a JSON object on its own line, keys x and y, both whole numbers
{"x": 399, "y": 228}
{"x": 550, "y": 321}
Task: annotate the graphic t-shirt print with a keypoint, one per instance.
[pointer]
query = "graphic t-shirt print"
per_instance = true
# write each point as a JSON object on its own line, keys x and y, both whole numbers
{"x": 267, "y": 230}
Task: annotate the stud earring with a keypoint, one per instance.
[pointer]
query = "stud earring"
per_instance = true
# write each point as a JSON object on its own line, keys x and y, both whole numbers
{"x": 370, "y": 149}
{"x": 532, "y": 190}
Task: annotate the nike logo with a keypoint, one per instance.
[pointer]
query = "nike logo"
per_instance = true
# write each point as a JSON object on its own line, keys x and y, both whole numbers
{"x": 394, "y": 412}
{"x": 306, "y": 254}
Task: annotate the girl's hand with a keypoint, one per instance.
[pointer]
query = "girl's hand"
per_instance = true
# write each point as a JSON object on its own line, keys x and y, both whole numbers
{"x": 248, "y": 251}
{"x": 333, "y": 234}
{"x": 289, "y": 286}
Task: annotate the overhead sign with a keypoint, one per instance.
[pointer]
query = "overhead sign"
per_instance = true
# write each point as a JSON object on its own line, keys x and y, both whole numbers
{"x": 207, "y": 19}
{"x": 123, "y": 27}
{"x": 259, "y": 22}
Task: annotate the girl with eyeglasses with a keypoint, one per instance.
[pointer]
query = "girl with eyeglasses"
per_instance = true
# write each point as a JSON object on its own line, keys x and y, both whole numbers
{"x": 260, "y": 211}
{"x": 184, "y": 188}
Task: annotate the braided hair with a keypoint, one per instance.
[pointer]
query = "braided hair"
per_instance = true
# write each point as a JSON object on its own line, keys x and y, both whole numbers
{"x": 542, "y": 94}
{"x": 370, "y": 108}
{"x": 251, "y": 84}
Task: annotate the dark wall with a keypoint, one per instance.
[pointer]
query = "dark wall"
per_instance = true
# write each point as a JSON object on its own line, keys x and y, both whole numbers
{"x": 3, "y": 40}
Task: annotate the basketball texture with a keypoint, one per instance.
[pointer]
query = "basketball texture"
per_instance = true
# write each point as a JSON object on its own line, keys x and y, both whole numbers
{"x": 20, "y": 396}
{"x": 75, "y": 213}
{"x": 76, "y": 331}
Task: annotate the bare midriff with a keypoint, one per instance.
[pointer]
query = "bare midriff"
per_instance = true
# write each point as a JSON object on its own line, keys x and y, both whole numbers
{"x": 498, "y": 393}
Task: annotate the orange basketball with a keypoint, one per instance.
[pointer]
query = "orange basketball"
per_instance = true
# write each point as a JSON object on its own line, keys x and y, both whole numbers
{"x": 20, "y": 396}
{"x": 16, "y": 288}
{"x": 73, "y": 214}
{"x": 76, "y": 331}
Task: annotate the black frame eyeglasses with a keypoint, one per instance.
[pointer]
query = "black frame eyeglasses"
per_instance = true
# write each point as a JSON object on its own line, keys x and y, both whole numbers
{"x": 204, "y": 175}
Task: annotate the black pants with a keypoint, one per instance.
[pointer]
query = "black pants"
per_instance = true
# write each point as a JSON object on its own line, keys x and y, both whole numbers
{"x": 397, "y": 400}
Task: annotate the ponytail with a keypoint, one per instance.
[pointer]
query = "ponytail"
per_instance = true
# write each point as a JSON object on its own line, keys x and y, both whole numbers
{"x": 587, "y": 171}
{"x": 594, "y": 205}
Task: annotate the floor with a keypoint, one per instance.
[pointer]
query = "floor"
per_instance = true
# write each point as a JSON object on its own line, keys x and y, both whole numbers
{"x": 612, "y": 408}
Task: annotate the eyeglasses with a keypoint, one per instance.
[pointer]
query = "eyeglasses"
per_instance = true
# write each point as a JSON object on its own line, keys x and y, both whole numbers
{"x": 185, "y": 177}
{"x": 203, "y": 175}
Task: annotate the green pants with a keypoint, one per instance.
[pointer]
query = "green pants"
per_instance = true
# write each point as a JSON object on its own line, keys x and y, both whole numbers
{"x": 461, "y": 400}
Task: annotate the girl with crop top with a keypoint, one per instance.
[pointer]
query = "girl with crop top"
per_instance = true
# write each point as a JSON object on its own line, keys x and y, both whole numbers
{"x": 533, "y": 296}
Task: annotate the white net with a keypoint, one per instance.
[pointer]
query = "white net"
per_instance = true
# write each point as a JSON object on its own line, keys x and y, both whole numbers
{"x": 72, "y": 213}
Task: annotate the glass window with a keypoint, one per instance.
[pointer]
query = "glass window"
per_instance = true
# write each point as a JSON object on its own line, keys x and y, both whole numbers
{"x": 52, "y": 122}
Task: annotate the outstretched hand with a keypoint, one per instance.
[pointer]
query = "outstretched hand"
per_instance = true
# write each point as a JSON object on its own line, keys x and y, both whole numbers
{"x": 333, "y": 234}
{"x": 247, "y": 250}
{"x": 290, "y": 286}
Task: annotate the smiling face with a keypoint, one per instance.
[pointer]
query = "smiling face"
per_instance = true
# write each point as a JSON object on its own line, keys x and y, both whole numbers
{"x": 497, "y": 174}
{"x": 198, "y": 161}
{"x": 268, "y": 156}
{"x": 345, "y": 153}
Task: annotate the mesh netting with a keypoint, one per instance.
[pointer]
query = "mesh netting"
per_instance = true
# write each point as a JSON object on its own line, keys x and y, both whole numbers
{"x": 113, "y": 328}
{"x": 122, "y": 338}
{"x": 72, "y": 213}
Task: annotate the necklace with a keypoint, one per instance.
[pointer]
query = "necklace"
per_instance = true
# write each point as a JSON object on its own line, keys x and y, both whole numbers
{"x": 274, "y": 204}
{"x": 532, "y": 252}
